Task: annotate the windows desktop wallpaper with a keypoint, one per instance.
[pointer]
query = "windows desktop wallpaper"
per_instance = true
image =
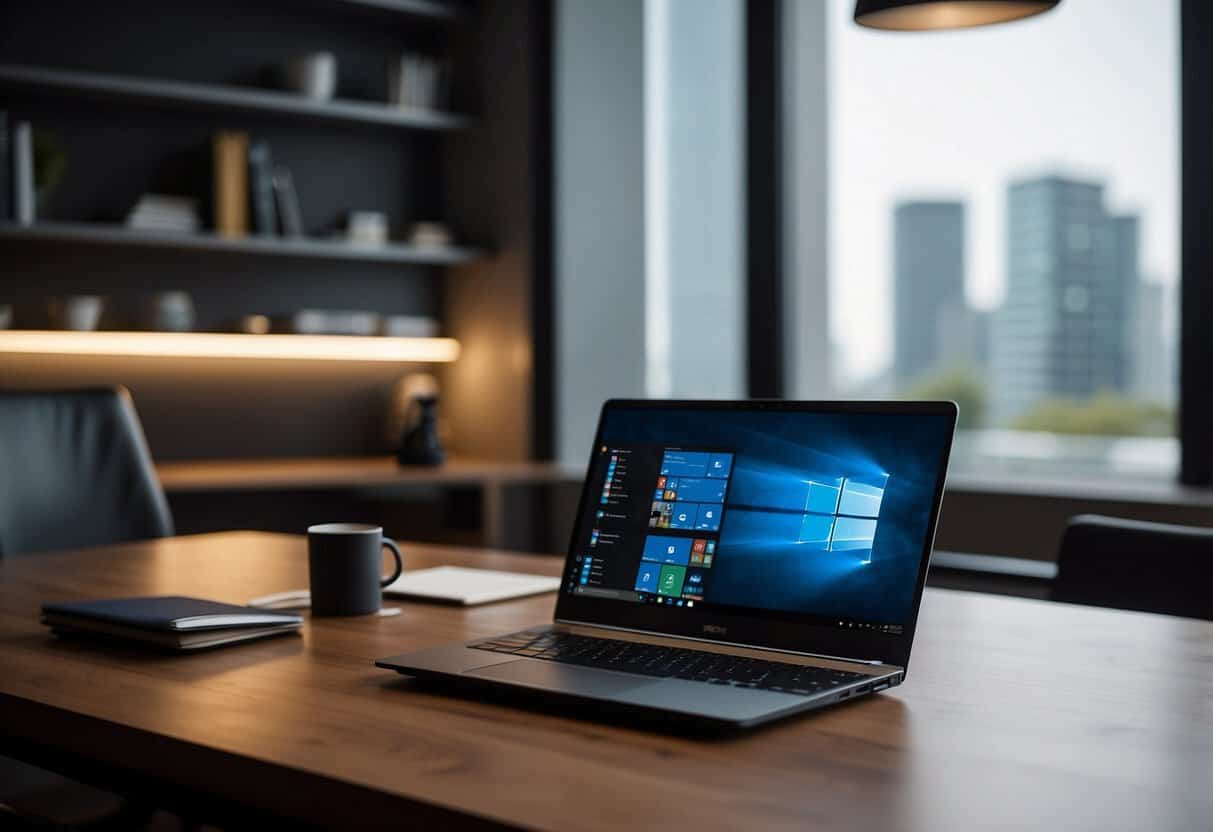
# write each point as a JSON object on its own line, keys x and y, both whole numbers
{"x": 825, "y": 514}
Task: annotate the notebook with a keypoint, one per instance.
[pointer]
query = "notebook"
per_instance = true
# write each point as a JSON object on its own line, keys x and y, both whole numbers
{"x": 457, "y": 585}
{"x": 172, "y": 622}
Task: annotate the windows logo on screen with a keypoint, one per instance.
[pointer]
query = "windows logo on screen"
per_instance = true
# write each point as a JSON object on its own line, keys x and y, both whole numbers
{"x": 841, "y": 515}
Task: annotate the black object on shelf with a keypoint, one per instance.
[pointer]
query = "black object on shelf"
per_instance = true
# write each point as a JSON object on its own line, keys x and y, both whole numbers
{"x": 420, "y": 444}
{"x": 261, "y": 185}
{"x": 288, "y": 203}
{"x": 223, "y": 97}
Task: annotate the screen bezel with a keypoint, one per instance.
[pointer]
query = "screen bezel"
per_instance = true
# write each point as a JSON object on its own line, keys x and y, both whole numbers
{"x": 791, "y": 633}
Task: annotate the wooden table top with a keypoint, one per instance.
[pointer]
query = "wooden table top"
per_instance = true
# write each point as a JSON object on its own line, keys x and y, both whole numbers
{"x": 350, "y": 472}
{"x": 1015, "y": 714}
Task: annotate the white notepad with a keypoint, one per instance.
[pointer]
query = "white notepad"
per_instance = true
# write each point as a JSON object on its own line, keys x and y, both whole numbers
{"x": 456, "y": 585}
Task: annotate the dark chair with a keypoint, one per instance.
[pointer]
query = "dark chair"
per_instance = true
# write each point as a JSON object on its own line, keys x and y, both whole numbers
{"x": 75, "y": 471}
{"x": 1134, "y": 565}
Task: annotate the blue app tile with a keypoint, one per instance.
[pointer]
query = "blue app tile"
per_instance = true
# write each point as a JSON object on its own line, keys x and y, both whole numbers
{"x": 664, "y": 549}
{"x": 719, "y": 465}
{"x": 684, "y": 516}
{"x": 646, "y": 577}
{"x": 692, "y": 587}
{"x": 684, "y": 464}
{"x": 702, "y": 490}
{"x": 659, "y": 494}
{"x": 708, "y": 519}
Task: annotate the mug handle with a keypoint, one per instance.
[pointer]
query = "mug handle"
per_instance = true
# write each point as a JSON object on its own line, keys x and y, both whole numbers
{"x": 391, "y": 544}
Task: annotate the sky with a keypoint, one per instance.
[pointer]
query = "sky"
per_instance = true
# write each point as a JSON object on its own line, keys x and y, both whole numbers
{"x": 1089, "y": 89}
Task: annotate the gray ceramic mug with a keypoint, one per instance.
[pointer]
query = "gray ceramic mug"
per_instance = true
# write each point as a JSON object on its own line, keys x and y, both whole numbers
{"x": 344, "y": 564}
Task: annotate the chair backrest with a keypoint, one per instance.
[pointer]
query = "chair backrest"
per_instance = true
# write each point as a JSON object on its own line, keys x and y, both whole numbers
{"x": 75, "y": 471}
{"x": 1134, "y": 565}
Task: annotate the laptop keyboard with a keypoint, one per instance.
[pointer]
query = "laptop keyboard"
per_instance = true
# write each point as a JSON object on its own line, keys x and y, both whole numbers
{"x": 669, "y": 662}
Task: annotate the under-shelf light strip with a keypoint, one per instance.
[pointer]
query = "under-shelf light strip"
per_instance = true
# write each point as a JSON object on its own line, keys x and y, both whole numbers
{"x": 231, "y": 345}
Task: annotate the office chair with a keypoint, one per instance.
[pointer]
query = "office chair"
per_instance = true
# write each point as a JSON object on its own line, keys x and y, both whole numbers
{"x": 1135, "y": 565}
{"x": 75, "y": 471}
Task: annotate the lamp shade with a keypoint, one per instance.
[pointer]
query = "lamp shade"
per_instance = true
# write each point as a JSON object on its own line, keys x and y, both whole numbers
{"x": 922, "y": 15}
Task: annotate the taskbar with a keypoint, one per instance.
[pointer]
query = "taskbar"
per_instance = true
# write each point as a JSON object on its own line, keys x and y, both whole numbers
{"x": 636, "y": 597}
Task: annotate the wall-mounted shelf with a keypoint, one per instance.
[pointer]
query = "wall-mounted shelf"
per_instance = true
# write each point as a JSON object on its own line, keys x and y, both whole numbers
{"x": 422, "y": 9}
{"x": 223, "y": 97}
{"x": 103, "y": 234}
{"x": 230, "y": 346}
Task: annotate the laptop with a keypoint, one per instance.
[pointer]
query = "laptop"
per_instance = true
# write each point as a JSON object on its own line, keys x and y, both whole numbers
{"x": 732, "y": 563}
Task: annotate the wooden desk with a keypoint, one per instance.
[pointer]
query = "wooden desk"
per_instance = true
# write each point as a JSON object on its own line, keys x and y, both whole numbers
{"x": 377, "y": 472}
{"x": 1015, "y": 715}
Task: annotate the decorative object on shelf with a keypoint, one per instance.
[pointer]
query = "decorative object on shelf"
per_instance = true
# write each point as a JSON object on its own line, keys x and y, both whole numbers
{"x": 160, "y": 212}
{"x": 288, "y": 202}
{"x": 409, "y": 326}
{"x": 255, "y": 324}
{"x": 80, "y": 313}
{"x": 6, "y": 315}
{"x": 415, "y": 415}
{"x": 230, "y": 174}
{"x": 335, "y": 322}
{"x": 172, "y": 312}
{"x": 313, "y": 75}
{"x": 430, "y": 235}
{"x": 418, "y": 82}
{"x": 23, "y": 173}
{"x": 261, "y": 181}
{"x": 367, "y": 227}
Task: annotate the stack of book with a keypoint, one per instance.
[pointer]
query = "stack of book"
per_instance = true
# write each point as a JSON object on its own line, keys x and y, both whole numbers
{"x": 157, "y": 212}
{"x": 170, "y": 622}
{"x": 418, "y": 82}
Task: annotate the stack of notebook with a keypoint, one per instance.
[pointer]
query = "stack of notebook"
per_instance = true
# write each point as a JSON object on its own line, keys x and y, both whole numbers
{"x": 170, "y": 622}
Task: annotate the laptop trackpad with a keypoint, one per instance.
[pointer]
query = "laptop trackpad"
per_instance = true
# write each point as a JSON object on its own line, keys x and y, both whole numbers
{"x": 553, "y": 676}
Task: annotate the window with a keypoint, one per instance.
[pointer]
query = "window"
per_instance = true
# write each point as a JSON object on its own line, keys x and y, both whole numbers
{"x": 1004, "y": 231}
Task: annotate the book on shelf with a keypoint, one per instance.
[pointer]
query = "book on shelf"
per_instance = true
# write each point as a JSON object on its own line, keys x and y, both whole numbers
{"x": 261, "y": 185}
{"x": 23, "y": 173}
{"x": 231, "y": 190}
{"x": 288, "y": 202}
{"x": 6, "y": 170}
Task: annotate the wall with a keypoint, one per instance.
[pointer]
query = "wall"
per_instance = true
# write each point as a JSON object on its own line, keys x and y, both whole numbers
{"x": 599, "y": 267}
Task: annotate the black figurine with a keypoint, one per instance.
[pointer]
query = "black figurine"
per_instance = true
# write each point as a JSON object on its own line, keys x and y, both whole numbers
{"x": 420, "y": 444}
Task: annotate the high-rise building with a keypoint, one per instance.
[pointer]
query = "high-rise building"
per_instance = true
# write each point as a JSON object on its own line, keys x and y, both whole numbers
{"x": 1065, "y": 326}
{"x": 928, "y": 284}
{"x": 1154, "y": 365}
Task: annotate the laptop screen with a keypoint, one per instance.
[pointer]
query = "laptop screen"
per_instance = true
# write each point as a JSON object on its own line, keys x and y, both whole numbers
{"x": 816, "y": 514}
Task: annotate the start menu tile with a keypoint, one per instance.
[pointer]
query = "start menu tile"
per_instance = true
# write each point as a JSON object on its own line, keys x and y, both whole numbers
{"x": 651, "y": 524}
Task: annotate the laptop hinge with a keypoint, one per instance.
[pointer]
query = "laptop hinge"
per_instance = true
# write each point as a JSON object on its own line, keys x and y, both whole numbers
{"x": 723, "y": 643}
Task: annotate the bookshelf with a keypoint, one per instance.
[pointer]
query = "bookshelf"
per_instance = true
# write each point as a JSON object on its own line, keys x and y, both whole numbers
{"x": 135, "y": 98}
{"x": 104, "y": 234}
{"x": 222, "y": 97}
